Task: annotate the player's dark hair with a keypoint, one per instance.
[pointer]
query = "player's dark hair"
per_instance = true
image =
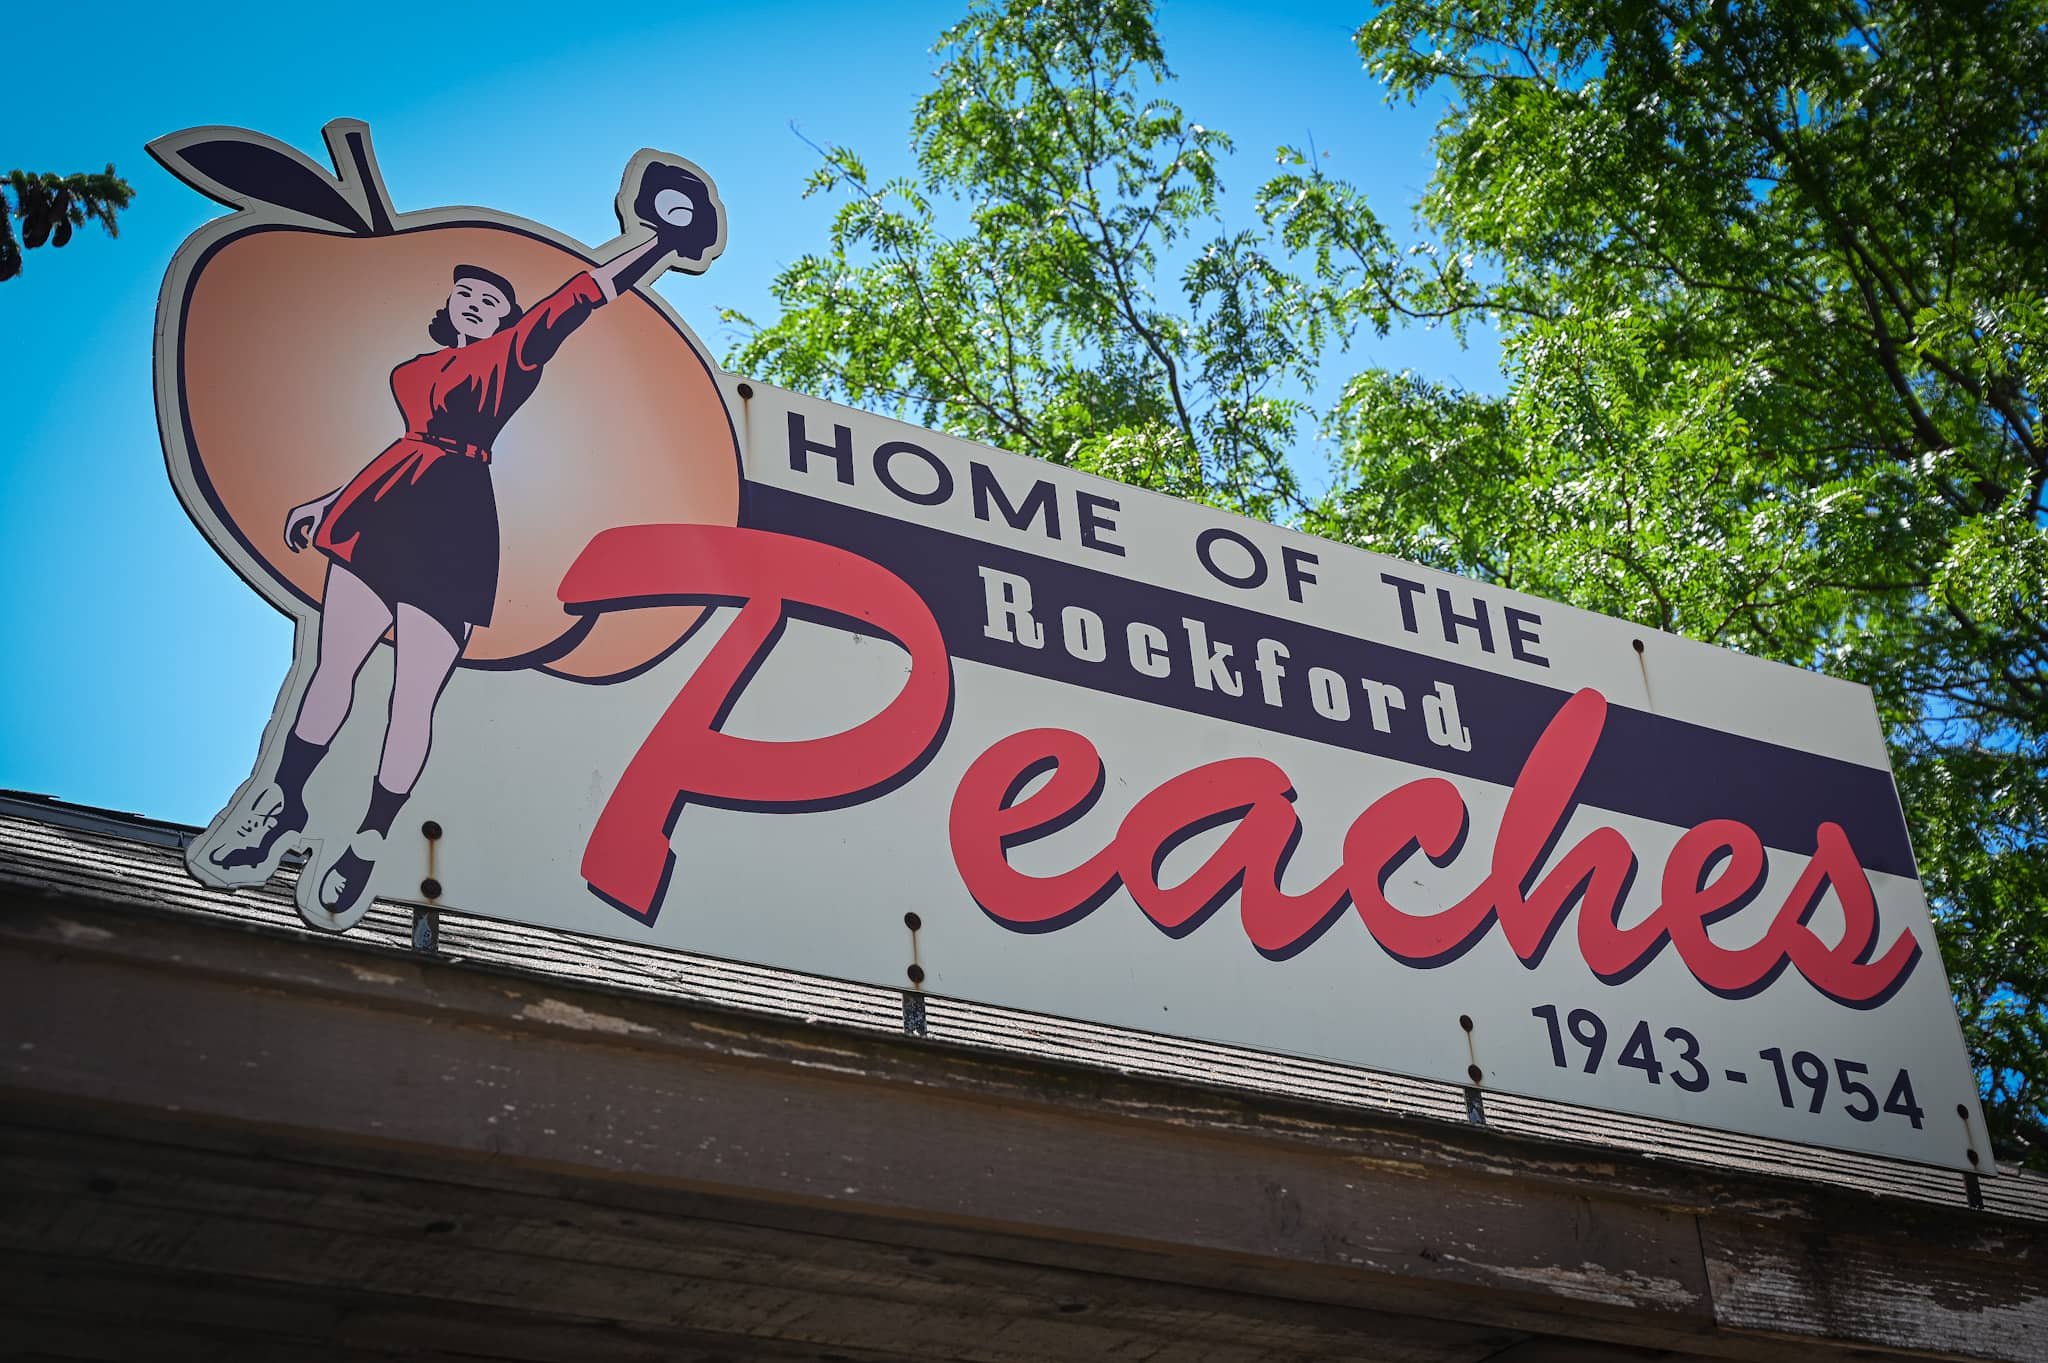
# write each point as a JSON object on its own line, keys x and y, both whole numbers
{"x": 442, "y": 331}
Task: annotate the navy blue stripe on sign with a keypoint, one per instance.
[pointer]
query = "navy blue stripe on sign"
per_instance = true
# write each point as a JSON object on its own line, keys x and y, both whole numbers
{"x": 1646, "y": 765}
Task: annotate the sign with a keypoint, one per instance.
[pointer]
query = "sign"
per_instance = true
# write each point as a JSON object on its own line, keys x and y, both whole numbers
{"x": 595, "y": 637}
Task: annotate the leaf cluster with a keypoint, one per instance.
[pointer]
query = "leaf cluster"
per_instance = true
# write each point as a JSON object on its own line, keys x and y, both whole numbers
{"x": 1774, "y": 302}
{"x": 51, "y": 207}
{"x": 1057, "y": 277}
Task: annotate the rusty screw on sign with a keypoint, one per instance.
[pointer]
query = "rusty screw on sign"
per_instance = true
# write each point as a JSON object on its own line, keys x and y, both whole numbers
{"x": 1643, "y": 665}
{"x": 746, "y": 392}
{"x": 916, "y": 971}
{"x": 1471, "y": 1048}
{"x": 426, "y": 923}
{"x": 1475, "y": 1098}
{"x": 1973, "y": 1187}
{"x": 913, "y": 997}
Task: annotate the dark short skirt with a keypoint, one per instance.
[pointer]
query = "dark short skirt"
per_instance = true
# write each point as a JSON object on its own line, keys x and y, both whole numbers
{"x": 429, "y": 542}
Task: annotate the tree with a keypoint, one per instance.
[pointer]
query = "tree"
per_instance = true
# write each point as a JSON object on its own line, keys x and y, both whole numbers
{"x": 1773, "y": 304}
{"x": 1012, "y": 291}
{"x": 52, "y": 207}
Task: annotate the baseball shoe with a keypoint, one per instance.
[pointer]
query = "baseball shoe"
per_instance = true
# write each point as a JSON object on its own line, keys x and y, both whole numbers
{"x": 252, "y": 841}
{"x": 344, "y": 894}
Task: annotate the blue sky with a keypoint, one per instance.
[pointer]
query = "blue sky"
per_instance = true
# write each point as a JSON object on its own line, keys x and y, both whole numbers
{"x": 140, "y": 669}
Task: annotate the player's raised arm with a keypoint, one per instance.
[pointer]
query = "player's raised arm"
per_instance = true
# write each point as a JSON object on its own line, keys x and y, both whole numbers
{"x": 627, "y": 268}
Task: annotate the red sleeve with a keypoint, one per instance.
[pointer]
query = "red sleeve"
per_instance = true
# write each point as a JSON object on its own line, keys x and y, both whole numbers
{"x": 540, "y": 331}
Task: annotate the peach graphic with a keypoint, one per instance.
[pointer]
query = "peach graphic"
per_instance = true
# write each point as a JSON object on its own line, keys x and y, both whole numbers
{"x": 288, "y": 337}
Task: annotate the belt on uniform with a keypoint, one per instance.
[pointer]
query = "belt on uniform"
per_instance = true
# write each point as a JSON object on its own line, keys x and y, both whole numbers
{"x": 452, "y": 445}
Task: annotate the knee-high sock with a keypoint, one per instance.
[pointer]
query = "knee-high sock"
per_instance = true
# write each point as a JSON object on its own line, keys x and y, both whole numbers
{"x": 384, "y": 807}
{"x": 294, "y": 768}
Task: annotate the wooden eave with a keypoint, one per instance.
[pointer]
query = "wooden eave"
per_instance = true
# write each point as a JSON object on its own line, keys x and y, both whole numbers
{"x": 225, "y": 1136}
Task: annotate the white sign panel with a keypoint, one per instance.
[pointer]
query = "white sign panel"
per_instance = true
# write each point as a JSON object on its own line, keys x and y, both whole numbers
{"x": 689, "y": 662}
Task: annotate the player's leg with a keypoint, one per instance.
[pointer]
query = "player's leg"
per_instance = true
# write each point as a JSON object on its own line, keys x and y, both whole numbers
{"x": 427, "y": 652}
{"x": 426, "y": 658}
{"x": 352, "y": 619}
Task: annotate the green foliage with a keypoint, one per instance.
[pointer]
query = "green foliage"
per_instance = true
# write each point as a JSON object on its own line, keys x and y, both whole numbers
{"x": 1773, "y": 301}
{"x": 1011, "y": 292}
{"x": 51, "y": 207}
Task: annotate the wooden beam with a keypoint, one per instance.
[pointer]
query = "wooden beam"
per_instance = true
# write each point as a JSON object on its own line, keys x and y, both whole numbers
{"x": 140, "y": 1316}
{"x": 392, "y": 1057}
{"x": 148, "y": 1207}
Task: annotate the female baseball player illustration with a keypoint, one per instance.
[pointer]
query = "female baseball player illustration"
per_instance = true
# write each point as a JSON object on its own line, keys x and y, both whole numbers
{"x": 412, "y": 540}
